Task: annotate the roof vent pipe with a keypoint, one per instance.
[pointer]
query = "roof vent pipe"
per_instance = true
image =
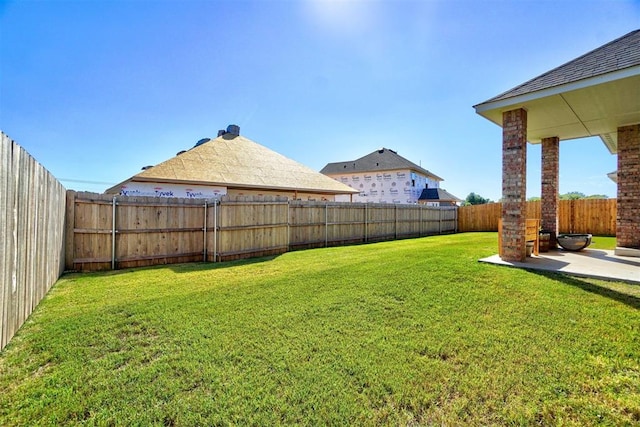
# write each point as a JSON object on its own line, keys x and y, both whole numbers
{"x": 233, "y": 130}
{"x": 221, "y": 132}
{"x": 202, "y": 141}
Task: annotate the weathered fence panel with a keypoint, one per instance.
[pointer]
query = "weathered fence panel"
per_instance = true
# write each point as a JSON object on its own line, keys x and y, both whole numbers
{"x": 479, "y": 217}
{"x": 123, "y": 232}
{"x": 249, "y": 229}
{"x": 110, "y": 232}
{"x": 91, "y": 241}
{"x": 382, "y": 222}
{"x": 595, "y": 216}
{"x": 307, "y": 224}
{"x": 32, "y": 215}
{"x": 346, "y": 223}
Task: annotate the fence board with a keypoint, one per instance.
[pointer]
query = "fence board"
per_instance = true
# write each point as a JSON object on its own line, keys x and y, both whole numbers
{"x": 307, "y": 227}
{"x": 156, "y": 231}
{"x": 382, "y": 222}
{"x": 7, "y": 228}
{"x": 252, "y": 229}
{"x": 32, "y": 215}
{"x": 148, "y": 231}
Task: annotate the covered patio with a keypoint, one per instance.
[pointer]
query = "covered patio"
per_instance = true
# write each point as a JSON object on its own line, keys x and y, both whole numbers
{"x": 593, "y": 263}
{"x": 597, "y": 94}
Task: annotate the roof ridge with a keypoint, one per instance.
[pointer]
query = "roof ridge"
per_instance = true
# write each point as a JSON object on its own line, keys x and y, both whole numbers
{"x": 388, "y": 160}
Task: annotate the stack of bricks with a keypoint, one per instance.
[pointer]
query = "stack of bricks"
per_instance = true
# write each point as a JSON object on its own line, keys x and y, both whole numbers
{"x": 628, "y": 224}
{"x": 550, "y": 177}
{"x": 514, "y": 184}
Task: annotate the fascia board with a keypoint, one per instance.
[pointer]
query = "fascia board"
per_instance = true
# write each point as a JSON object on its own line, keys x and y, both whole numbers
{"x": 568, "y": 87}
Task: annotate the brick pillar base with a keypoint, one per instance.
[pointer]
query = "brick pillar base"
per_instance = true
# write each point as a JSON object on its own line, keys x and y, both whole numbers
{"x": 628, "y": 220}
{"x": 550, "y": 174}
{"x": 514, "y": 184}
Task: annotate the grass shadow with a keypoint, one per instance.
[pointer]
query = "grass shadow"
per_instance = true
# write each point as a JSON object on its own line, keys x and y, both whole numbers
{"x": 603, "y": 291}
{"x": 186, "y": 267}
{"x": 205, "y": 266}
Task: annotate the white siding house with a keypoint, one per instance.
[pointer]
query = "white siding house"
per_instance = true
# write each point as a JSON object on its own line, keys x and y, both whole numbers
{"x": 384, "y": 177}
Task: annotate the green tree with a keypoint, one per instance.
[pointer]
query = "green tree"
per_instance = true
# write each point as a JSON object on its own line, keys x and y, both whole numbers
{"x": 575, "y": 195}
{"x": 572, "y": 195}
{"x": 475, "y": 199}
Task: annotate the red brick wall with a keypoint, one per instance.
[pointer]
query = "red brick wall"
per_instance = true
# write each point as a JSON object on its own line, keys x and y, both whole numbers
{"x": 514, "y": 184}
{"x": 550, "y": 178}
{"x": 628, "y": 221}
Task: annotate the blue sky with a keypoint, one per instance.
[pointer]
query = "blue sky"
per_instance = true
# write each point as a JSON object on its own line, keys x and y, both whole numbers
{"x": 94, "y": 90}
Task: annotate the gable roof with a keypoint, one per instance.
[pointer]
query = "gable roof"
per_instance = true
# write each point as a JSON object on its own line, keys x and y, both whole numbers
{"x": 621, "y": 53}
{"x": 379, "y": 160}
{"x": 592, "y": 95}
{"x": 235, "y": 161}
{"x": 438, "y": 194}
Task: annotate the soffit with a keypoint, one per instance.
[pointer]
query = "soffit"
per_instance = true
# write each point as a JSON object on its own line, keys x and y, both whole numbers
{"x": 596, "y": 107}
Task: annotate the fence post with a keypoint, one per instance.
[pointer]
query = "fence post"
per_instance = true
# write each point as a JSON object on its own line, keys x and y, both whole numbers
{"x": 439, "y": 220}
{"x": 326, "y": 224}
{"x": 455, "y": 216}
{"x": 70, "y": 221}
{"x": 113, "y": 233}
{"x": 396, "y": 222}
{"x": 215, "y": 229}
{"x": 204, "y": 234}
{"x": 366, "y": 223}
{"x": 572, "y": 216}
{"x": 288, "y": 225}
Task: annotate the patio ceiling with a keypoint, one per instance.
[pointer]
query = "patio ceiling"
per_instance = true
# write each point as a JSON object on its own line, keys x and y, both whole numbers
{"x": 592, "y": 95}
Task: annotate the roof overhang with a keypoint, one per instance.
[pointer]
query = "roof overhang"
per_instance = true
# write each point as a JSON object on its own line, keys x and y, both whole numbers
{"x": 348, "y": 190}
{"x": 595, "y": 106}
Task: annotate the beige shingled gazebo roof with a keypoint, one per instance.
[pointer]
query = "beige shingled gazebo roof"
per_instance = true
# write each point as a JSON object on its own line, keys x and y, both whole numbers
{"x": 237, "y": 162}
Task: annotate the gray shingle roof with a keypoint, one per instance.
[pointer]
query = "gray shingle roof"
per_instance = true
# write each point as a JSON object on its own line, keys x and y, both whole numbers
{"x": 438, "y": 194}
{"x": 619, "y": 54}
{"x": 382, "y": 159}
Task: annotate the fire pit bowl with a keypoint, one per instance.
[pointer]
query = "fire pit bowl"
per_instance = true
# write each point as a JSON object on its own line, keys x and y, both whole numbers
{"x": 574, "y": 242}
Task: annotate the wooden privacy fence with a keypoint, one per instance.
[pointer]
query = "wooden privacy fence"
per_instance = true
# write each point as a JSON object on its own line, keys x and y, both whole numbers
{"x": 107, "y": 232}
{"x": 32, "y": 215}
{"x": 595, "y": 216}
{"x": 314, "y": 224}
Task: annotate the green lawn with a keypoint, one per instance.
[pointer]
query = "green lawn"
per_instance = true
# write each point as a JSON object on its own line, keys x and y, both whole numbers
{"x": 603, "y": 242}
{"x": 395, "y": 333}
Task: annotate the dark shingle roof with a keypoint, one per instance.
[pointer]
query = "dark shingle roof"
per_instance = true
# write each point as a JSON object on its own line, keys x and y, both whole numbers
{"x": 438, "y": 194}
{"x": 382, "y": 159}
{"x": 619, "y": 54}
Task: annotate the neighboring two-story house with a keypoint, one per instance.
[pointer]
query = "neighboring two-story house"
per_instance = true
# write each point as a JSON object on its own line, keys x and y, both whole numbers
{"x": 386, "y": 177}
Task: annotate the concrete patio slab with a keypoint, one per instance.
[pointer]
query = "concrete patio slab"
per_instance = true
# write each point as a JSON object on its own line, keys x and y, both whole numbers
{"x": 595, "y": 263}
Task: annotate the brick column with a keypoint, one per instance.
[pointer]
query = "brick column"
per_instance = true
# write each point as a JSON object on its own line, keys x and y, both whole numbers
{"x": 514, "y": 184}
{"x": 628, "y": 221}
{"x": 550, "y": 174}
